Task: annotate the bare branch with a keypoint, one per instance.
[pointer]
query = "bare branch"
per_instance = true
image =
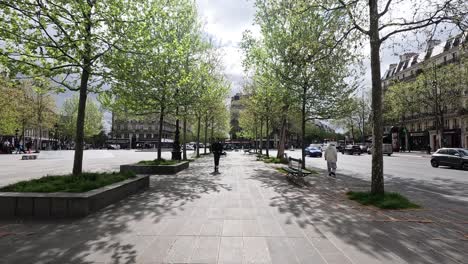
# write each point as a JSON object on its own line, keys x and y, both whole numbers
{"x": 387, "y": 6}
{"x": 351, "y": 16}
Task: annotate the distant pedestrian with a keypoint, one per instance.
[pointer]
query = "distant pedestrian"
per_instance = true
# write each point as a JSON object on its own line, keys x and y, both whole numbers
{"x": 17, "y": 147}
{"x": 217, "y": 149}
{"x": 331, "y": 156}
{"x": 28, "y": 146}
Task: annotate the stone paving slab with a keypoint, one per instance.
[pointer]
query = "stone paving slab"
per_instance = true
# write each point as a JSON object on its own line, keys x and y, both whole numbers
{"x": 249, "y": 213}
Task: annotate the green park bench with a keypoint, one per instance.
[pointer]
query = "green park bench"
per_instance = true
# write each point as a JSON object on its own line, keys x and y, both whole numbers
{"x": 295, "y": 172}
{"x": 28, "y": 157}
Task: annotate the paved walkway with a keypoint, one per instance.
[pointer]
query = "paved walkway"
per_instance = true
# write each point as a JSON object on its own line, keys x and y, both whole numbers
{"x": 248, "y": 214}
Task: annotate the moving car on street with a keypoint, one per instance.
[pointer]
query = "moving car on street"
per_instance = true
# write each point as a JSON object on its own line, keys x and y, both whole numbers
{"x": 352, "y": 149}
{"x": 452, "y": 157}
{"x": 387, "y": 149}
{"x": 313, "y": 152}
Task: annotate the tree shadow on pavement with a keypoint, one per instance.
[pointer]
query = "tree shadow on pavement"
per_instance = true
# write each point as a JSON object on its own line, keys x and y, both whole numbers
{"x": 119, "y": 232}
{"x": 367, "y": 234}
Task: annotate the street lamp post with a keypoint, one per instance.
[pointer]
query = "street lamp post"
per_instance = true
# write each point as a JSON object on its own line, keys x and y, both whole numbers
{"x": 16, "y": 135}
{"x": 56, "y": 136}
{"x": 176, "y": 153}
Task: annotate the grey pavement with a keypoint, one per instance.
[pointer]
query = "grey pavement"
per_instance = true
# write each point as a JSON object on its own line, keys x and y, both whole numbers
{"x": 249, "y": 213}
{"x": 13, "y": 169}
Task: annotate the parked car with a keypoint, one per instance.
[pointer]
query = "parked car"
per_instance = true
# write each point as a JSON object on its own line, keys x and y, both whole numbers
{"x": 387, "y": 149}
{"x": 318, "y": 146}
{"x": 313, "y": 152}
{"x": 352, "y": 149}
{"x": 452, "y": 157}
{"x": 340, "y": 148}
{"x": 189, "y": 147}
{"x": 363, "y": 147}
{"x": 113, "y": 146}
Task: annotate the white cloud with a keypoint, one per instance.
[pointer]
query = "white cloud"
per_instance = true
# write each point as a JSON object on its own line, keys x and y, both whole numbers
{"x": 226, "y": 20}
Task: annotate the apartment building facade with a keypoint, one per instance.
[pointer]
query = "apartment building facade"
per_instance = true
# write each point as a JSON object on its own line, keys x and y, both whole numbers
{"x": 141, "y": 133}
{"x": 418, "y": 130}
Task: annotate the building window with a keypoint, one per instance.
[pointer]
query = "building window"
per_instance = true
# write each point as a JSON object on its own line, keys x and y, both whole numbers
{"x": 447, "y": 122}
{"x": 419, "y": 126}
{"x": 455, "y": 123}
{"x": 454, "y": 55}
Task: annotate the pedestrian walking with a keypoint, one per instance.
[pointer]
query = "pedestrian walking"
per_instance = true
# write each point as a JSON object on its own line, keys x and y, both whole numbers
{"x": 217, "y": 149}
{"x": 331, "y": 156}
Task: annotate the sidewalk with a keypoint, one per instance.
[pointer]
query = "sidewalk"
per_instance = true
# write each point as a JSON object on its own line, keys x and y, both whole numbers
{"x": 248, "y": 214}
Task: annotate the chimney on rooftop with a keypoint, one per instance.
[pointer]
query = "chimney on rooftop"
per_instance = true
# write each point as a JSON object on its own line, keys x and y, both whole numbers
{"x": 432, "y": 43}
{"x": 407, "y": 56}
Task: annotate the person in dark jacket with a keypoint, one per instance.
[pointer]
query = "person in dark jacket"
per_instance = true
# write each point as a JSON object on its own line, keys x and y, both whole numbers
{"x": 217, "y": 149}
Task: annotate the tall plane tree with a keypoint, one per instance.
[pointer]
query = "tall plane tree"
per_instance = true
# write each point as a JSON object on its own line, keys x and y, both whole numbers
{"x": 147, "y": 82}
{"x": 378, "y": 21}
{"x": 66, "y": 42}
{"x": 308, "y": 51}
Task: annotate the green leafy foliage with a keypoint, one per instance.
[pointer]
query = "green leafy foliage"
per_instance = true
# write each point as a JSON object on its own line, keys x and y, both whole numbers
{"x": 297, "y": 65}
{"x": 93, "y": 118}
{"x": 388, "y": 200}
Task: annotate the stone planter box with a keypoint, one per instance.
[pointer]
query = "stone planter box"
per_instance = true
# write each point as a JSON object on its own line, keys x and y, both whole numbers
{"x": 155, "y": 169}
{"x": 67, "y": 205}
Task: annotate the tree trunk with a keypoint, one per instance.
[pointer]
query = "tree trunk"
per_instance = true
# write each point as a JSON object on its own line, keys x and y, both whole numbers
{"x": 268, "y": 138}
{"x": 303, "y": 124}
{"x": 198, "y": 135}
{"x": 212, "y": 131}
{"x": 363, "y": 121}
{"x": 441, "y": 130}
{"x": 206, "y": 133}
{"x": 39, "y": 144}
{"x": 80, "y": 120}
{"x": 184, "y": 138}
{"x": 256, "y": 136}
{"x": 260, "y": 144}
{"x": 282, "y": 142}
{"x": 377, "y": 186}
{"x": 161, "y": 125}
{"x": 176, "y": 145}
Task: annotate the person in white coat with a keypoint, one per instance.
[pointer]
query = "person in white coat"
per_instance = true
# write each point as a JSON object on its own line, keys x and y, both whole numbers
{"x": 331, "y": 156}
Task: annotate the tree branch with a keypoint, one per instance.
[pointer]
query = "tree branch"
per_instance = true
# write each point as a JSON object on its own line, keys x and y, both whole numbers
{"x": 387, "y": 6}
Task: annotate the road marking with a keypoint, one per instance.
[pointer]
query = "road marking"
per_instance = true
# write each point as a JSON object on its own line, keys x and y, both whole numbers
{"x": 411, "y": 156}
{"x": 449, "y": 196}
{"x": 423, "y": 190}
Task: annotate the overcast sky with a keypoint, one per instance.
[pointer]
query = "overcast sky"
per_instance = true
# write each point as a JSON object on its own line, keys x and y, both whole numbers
{"x": 225, "y": 21}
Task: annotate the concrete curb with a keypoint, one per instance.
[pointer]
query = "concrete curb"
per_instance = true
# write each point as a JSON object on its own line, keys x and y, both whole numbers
{"x": 67, "y": 205}
{"x": 154, "y": 169}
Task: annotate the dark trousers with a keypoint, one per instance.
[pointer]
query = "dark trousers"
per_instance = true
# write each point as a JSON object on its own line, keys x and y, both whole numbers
{"x": 216, "y": 159}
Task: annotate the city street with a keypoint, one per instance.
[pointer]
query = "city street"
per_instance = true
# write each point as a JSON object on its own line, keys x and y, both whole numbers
{"x": 410, "y": 170}
{"x": 13, "y": 169}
